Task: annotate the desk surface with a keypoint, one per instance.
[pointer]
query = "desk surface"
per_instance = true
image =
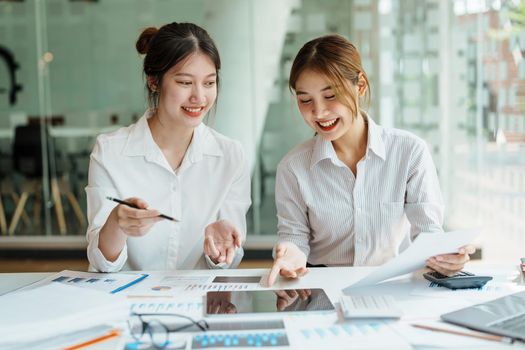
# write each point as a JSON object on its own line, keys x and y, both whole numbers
{"x": 67, "y": 131}
{"x": 416, "y": 307}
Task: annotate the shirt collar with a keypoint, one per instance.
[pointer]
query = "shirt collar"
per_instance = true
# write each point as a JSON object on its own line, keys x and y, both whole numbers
{"x": 140, "y": 142}
{"x": 203, "y": 143}
{"x": 376, "y": 143}
{"x": 325, "y": 150}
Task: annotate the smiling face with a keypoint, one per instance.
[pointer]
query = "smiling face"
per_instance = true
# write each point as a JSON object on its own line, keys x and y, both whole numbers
{"x": 188, "y": 91}
{"x": 319, "y": 106}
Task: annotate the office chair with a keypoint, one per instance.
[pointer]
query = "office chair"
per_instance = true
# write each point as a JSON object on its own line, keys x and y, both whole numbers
{"x": 78, "y": 173}
{"x": 66, "y": 183}
{"x": 27, "y": 160}
{"x": 3, "y": 221}
{"x": 7, "y": 189}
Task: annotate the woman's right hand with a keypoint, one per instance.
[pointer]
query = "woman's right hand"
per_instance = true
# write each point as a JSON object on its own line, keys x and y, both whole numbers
{"x": 289, "y": 262}
{"x": 135, "y": 222}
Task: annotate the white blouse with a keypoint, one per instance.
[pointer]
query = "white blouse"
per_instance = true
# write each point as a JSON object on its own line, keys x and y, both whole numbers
{"x": 212, "y": 183}
{"x": 338, "y": 219}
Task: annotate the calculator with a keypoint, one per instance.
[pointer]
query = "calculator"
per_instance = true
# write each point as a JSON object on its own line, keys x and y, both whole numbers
{"x": 370, "y": 306}
{"x": 460, "y": 280}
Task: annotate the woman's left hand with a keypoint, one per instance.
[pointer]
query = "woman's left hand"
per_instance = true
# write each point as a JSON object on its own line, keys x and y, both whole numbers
{"x": 221, "y": 239}
{"x": 449, "y": 264}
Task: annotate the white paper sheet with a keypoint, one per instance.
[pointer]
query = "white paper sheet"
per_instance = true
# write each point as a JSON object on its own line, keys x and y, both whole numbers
{"x": 166, "y": 285}
{"x": 311, "y": 334}
{"x": 222, "y": 287}
{"x": 104, "y": 282}
{"x": 414, "y": 257}
{"x": 191, "y": 307}
{"x": 422, "y": 337}
{"x": 176, "y": 285}
{"x": 63, "y": 341}
{"x": 56, "y": 309}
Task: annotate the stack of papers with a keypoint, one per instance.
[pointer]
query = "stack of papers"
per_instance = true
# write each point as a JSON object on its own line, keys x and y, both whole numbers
{"x": 56, "y": 309}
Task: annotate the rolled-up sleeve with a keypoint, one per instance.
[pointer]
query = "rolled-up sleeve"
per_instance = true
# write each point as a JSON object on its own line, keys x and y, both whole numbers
{"x": 293, "y": 225}
{"x": 424, "y": 206}
{"x": 99, "y": 186}
{"x": 236, "y": 204}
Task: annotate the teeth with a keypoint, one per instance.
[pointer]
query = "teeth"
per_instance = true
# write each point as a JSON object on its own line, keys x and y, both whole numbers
{"x": 193, "y": 110}
{"x": 328, "y": 123}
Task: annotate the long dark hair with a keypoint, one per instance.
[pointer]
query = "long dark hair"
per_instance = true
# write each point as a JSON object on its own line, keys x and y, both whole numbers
{"x": 167, "y": 46}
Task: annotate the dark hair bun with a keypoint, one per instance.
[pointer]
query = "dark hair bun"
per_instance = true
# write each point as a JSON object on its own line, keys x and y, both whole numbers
{"x": 144, "y": 40}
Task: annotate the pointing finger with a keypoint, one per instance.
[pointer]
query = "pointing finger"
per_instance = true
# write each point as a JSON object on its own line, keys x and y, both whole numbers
{"x": 274, "y": 272}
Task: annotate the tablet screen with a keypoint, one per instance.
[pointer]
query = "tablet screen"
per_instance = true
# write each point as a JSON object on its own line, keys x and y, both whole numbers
{"x": 267, "y": 301}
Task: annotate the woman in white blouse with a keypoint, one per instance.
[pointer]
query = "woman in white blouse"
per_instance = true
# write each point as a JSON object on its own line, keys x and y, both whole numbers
{"x": 169, "y": 163}
{"x": 343, "y": 197}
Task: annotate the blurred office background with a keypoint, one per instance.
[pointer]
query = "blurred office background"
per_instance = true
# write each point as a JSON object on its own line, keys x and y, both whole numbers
{"x": 451, "y": 71}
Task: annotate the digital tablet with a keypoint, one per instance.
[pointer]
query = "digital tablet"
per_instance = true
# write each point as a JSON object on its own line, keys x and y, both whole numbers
{"x": 267, "y": 301}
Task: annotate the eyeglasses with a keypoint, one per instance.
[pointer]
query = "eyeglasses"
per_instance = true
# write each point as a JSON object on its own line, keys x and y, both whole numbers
{"x": 158, "y": 331}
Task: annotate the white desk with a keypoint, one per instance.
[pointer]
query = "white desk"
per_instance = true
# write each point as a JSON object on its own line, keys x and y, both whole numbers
{"x": 66, "y": 131}
{"x": 80, "y": 131}
{"x": 334, "y": 279}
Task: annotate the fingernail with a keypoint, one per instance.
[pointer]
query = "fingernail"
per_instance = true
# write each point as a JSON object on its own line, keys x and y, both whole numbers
{"x": 439, "y": 258}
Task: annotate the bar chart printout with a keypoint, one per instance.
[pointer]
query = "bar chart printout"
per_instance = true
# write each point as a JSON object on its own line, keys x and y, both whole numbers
{"x": 365, "y": 335}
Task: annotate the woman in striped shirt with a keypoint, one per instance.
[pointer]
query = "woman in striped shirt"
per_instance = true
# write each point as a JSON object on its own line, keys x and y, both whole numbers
{"x": 356, "y": 192}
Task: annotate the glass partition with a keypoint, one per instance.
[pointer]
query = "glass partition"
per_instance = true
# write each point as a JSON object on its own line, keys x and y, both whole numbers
{"x": 450, "y": 71}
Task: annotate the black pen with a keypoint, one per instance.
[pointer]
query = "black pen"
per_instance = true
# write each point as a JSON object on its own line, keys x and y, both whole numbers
{"x": 120, "y": 201}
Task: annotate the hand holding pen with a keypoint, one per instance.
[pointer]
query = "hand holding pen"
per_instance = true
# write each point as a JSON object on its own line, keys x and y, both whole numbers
{"x": 132, "y": 204}
{"x": 134, "y": 217}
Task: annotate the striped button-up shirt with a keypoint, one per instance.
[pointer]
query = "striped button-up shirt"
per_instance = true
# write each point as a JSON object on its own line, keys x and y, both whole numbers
{"x": 338, "y": 218}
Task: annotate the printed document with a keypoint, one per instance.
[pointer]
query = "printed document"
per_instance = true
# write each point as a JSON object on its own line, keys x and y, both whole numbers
{"x": 414, "y": 257}
{"x": 56, "y": 309}
{"x": 105, "y": 282}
